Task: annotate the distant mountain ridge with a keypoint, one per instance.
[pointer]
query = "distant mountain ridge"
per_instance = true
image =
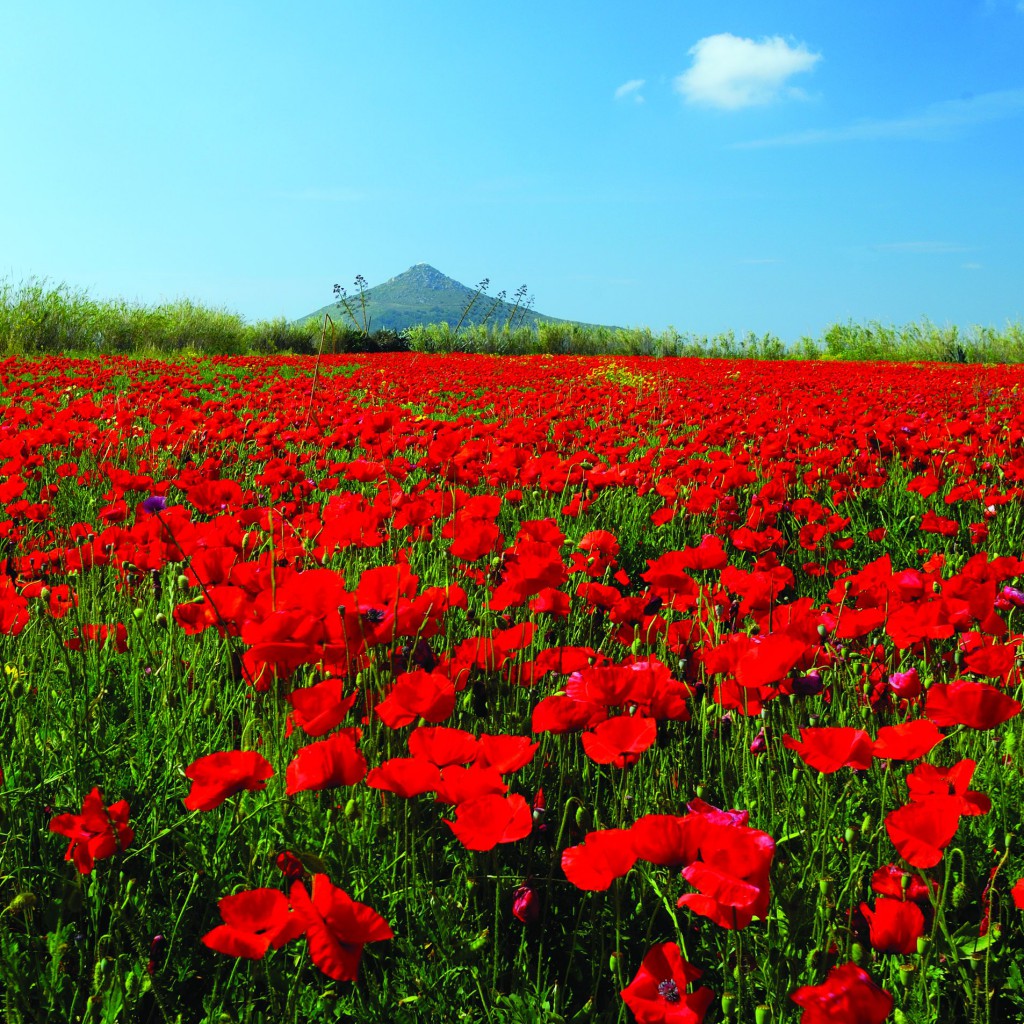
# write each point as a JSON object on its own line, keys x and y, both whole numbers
{"x": 423, "y": 295}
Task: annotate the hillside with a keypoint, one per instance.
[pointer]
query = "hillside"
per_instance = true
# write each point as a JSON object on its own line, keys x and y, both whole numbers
{"x": 423, "y": 295}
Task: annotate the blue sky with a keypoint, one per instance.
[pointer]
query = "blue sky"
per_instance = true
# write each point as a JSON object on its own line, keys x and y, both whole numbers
{"x": 711, "y": 165}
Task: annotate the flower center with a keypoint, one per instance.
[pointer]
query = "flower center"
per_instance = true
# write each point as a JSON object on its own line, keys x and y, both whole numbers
{"x": 669, "y": 991}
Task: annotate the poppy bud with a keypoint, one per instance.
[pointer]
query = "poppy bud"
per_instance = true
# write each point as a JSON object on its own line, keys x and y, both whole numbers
{"x": 101, "y": 974}
{"x": 160, "y": 619}
{"x": 525, "y": 904}
{"x": 849, "y": 835}
{"x": 857, "y": 953}
{"x": 351, "y": 809}
{"x": 959, "y": 894}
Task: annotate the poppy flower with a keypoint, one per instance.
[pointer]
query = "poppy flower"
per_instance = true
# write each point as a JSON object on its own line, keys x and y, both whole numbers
{"x": 320, "y": 708}
{"x": 336, "y": 761}
{"x": 505, "y": 753}
{"x": 217, "y": 776}
{"x": 443, "y": 745}
{"x": 254, "y": 921}
{"x": 658, "y": 994}
{"x": 890, "y": 880}
{"x": 976, "y": 705}
{"x": 922, "y": 829}
{"x": 908, "y": 741}
{"x": 336, "y": 927}
{"x": 830, "y": 748}
{"x": 416, "y": 695}
{"x": 848, "y": 996}
{"x": 602, "y": 857}
{"x": 485, "y": 821}
{"x": 894, "y": 925}
{"x": 928, "y": 780}
{"x": 460, "y": 784}
{"x": 96, "y": 833}
{"x": 732, "y": 875}
{"x": 665, "y": 839}
{"x": 1017, "y": 894}
{"x": 621, "y": 740}
{"x": 405, "y": 776}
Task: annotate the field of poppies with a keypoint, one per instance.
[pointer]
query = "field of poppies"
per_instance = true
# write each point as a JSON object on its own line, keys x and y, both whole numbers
{"x": 459, "y": 688}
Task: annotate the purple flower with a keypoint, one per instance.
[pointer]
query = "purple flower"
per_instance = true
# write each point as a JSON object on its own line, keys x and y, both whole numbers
{"x": 154, "y": 503}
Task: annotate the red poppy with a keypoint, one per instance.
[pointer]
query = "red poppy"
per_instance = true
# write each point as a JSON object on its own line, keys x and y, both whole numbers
{"x": 732, "y": 875}
{"x": 460, "y": 784}
{"x": 217, "y": 776}
{"x": 830, "y": 748}
{"x": 890, "y": 880}
{"x": 415, "y": 695}
{"x": 405, "y": 776}
{"x": 485, "y": 821}
{"x": 928, "y": 780}
{"x": 1017, "y": 894}
{"x": 602, "y": 857}
{"x": 319, "y": 709}
{"x": 848, "y": 996}
{"x": 336, "y": 761}
{"x": 442, "y": 745}
{"x": 976, "y": 705}
{"x": 894, "y": 925}
{"x": 336, "y": 927}
{"x": 922, "y": 829}
{"x": 658, "y": 994}
{"x": 908, "y": 741}
{"x": 621, "y": 740}
{"x": 254, "y": 921}
{"x": 505, "y": 753}
{"x": 665, "y": 839}
{"x": 96, "y": 833}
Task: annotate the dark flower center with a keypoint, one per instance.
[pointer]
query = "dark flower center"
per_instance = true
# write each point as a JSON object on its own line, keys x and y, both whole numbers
{"x": 669, "y": 991}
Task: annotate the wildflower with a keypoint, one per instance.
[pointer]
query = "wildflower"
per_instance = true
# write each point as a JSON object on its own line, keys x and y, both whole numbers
{"x": 96, "y": 833}
{"x": 658, "y": 992}
{"x": 848, "y": 996}
{"x": 217, "y": 776}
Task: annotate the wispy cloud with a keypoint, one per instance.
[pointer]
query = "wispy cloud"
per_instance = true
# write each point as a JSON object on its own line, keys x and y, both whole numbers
{"x": 758, "y": 262}
{"x": 939, "y": 121}
{"x": 729, "y": 72}
{"x": 970, "y": 266}
{"x": 631, "y": 89}
{"x": 923, "y": 248}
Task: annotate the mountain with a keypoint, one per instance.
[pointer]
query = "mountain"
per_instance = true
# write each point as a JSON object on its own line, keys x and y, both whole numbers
{"x": 423, "y": 295}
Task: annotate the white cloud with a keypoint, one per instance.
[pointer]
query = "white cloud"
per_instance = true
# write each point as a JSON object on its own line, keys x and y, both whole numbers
{"x": 729, "y": 72}
{"x": 939, "y": 121}
{"x": 631, "y": 88}
{"x": 970, "y": 266}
